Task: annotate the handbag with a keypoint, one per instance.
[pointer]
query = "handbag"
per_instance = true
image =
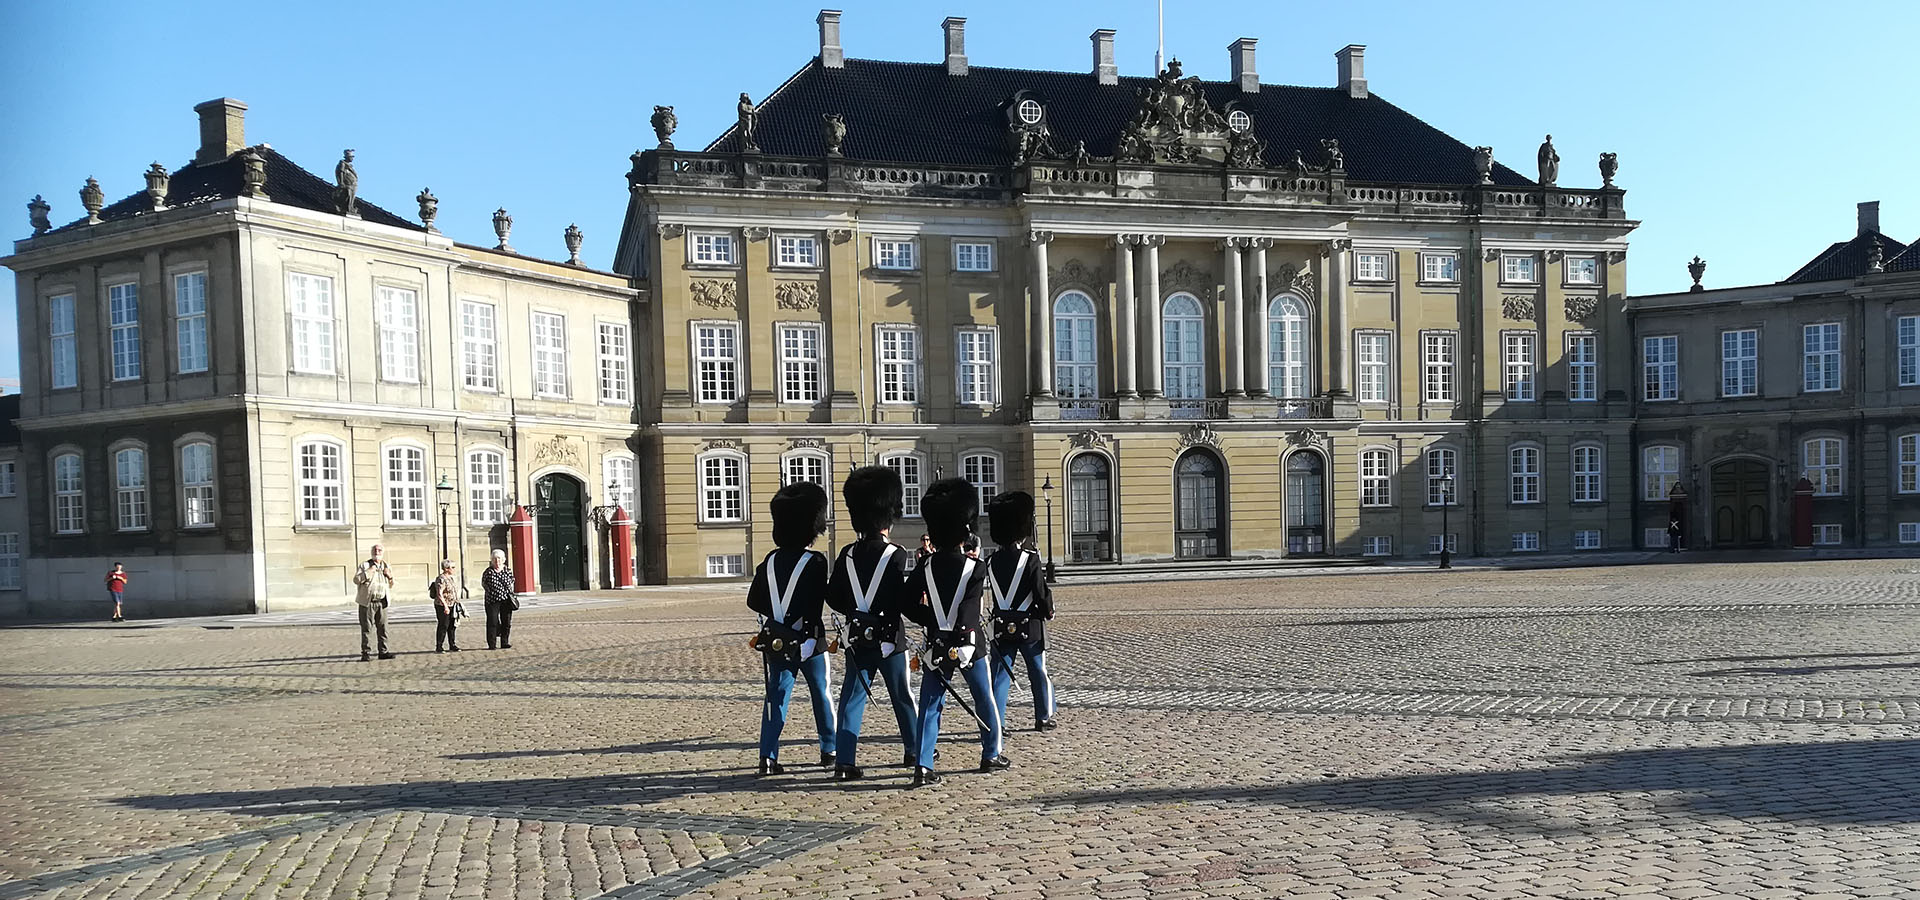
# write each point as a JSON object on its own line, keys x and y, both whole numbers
{"x": 459, "y": 610}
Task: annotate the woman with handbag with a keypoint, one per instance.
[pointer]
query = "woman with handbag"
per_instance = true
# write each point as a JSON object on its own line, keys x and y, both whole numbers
{"x": 445, "y": 591}
{"x": 496, "y": 586}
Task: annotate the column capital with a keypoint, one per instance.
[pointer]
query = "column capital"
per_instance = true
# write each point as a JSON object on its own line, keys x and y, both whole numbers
{"x": 1152, "y": 240}
{"x": 1124, "y": 240}
{"x": 1039, "y": 237}
{"x": 1260, "y": 243}
{"x": 1337, "y": 244}
{"x": 1232, "y": 243}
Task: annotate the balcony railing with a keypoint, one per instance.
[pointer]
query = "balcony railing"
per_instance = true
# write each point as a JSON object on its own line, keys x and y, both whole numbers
{"x": 1089, "y": 408}
{"x": 1202, "y": 408}
{"x": 1303, "y": 408}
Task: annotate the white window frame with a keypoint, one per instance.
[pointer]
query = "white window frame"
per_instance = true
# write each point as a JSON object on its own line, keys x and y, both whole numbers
{"x": 1583, "y": 366}
{"x": 484, "y": 471}
{"x": 1655, "y": 538}
{"x": 1525, "y": 542}
{"x": 984, "y": 469}
{"x": 1520, "y": 365}
{"x": 807, "y": 465}
{"x": 801, "y": 348}
{"x": 1512, "y": 264}
{"x": 712, "y": 368}
{"x": 310, "y": 321}
{"x": 69, "y": 491}
{"x": 1906, "y": 463}
{"x": 1909, "y": 533}
{"x": 10, "y": 561}
{"x": 895, "y": 253}
{"x": 1740, "y": 371}
{"x": 1823, "y": 459}
{"x": 479, "y": 354}
{"x": 1523, "y": 474}
{"x": 318, "y": 492}
{"x": 1083, "y": 382}
{"x": 549, "y": 361}
{"x": 132, "y": 500}
{"x": 125, "y": 330}
{"x": 978, "y": 378}
{"x": 404, "y": 501}
{"x": 1442, "y": 462}
{"x": 1373, "y": 266}
{"x": 1906, "y": 331}
{"x": 913, "y": 479}
{"x": 1438, "y": 352}
{"x": 9, "y": 478}
{"x": 722, "y": 487}
{"x": 398, "y": 309}
{"x": 1655, "y": 483}
{"x": 192, "y": 351}
{"x": 712, "y": 248}
{"x": 614, "y": 345}
{"x": 1588, "y": 539}
{"x": 974, "y": 256}
{"x": 621, "y": 488}
{"x": 1451, "y": 541}
{"x": 63, "y": 356}
{"x": 1290, "y": 347}
{"x": 1571, "y": 271}
{"x": 796, "y": 251}
{"x": 1376, "y": 477}
{"x": 1829, "y": 535}
{"x": 1820, "y": 358}
{"x": 199, "y": 497}
{"x": 1375, "y": 366}
{"x": 726, "y": 565}
{"x": 897, "y": 363}
{"x": 1183, "y": 378}
{"x": 1589, "y": 465}
{"x": 1376, "y": 545}
{"x": 1660, "y": 368}
{"x": 1440, "y": 267}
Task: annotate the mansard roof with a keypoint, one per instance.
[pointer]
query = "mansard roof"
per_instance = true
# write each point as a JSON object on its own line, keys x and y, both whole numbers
{"x": 287, "y": 183}
{"x": 1847, "y": 259}
{"x": 1907, "y": 261}
{"x": 916, "y": 113}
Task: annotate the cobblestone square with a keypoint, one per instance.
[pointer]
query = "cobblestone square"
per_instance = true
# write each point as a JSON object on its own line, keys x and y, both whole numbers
{"x": 1695, "y": 730}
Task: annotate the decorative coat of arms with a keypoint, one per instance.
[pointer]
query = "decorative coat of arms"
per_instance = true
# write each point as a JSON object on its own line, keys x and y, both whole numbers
{"x": 1175, "y": 124}
{"x": 1304, "y": 438}
{"x": 807, "y": 443}
{"x": 1200, "y": 434}
{"x": 715, "y": 293}
{"x": 1299, "y": 280}
{"x": 1088, "y": 439}
{"x": 558, "y": 450}
{"x": 1076, "y": 274}
{"x": 1185, "y": 276}
{"x": 1518, "y": 307}
{"x": 797, "y": 295}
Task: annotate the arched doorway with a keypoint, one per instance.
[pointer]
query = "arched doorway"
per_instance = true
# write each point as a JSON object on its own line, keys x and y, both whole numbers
{"x": 559, "y": 533}
{"x": 1090, "y": 508}
{"x": 1199, "y": 516}
{"x": 1306, "y": 504}
{"x": 1741, "y": 504}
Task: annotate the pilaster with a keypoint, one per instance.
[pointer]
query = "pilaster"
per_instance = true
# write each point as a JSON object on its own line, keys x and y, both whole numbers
{"x": 1041, "y": 306}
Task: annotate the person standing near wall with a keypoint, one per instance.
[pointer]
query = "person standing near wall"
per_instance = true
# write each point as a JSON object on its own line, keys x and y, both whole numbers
{"x": 496, "y": 587}
{"x": 445, "y": 593}
{"x": 116, "y": 588}
{"x": 375, "y": 583}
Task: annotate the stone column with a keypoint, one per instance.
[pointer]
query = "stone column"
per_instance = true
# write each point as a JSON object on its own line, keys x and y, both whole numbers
{"x": 1042, "y": 336}
{"x": 1126, "y": 316}
{"x": 1335, "y": 253}
{"x": 1149, "y": 282}
{"x": 1258, "y": 370}
{"x": 1235, "y": 368}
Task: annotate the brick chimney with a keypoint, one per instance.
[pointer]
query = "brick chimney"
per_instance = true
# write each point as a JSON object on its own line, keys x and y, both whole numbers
{"x": 1353, "y": 71}
{"x": 956, "y": 31}
{"x": 1240, "y": 53}
{"x": 1870, "y": 217}
{"x": 831, "y": 56}
{"x": 1103, "y": 67}
{"x": 223, "y": 130}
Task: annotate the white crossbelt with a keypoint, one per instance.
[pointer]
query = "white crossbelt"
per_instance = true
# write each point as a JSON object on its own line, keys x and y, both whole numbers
{"x": 1000, "y": 596}
{"x": 863, "y": 594}
{"x": 947, "y": 616}
{"x": 784, "y": 598}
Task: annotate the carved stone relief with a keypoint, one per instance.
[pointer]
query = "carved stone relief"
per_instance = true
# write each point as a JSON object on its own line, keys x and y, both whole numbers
{"x": 556, "y": 451}
{"x": 715, "y": 293}
{"x": 1299, "y": 280}
{"x": 1305, "y": 438}
{"x": 1075, "y": 273}
{"x": 670, "y": 229}
{"x": 806, "y": 443}
{"x": 1743, "y": 440}
{"x": 1200, "y": 434}
{"x": 797, "y": 295}
{"x": 720, "y": 444}
{"x": 1518, "y": 307}
{"x": 1088, "y": 439}
{"x": 1582, "y": 307}
{"x": 1185, "y": 276}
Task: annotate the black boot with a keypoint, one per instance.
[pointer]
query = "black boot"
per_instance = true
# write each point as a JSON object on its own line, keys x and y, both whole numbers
{"x": 769, "y": 767}
{"x": 923, "y": 776}
{"x": 826, "y": 760}
{"x": 847, "y": 773}
{"x": 995, "y": 763}
{"x": 1045, "y": 725}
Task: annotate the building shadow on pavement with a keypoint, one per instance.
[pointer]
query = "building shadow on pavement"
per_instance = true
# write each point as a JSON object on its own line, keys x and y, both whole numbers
{"x": 1828, "y": 784}
{"x": 1750, "y": 659}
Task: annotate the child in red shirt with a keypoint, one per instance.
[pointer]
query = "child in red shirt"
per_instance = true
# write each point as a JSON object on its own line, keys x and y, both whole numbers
{"x": 116, "y": 586}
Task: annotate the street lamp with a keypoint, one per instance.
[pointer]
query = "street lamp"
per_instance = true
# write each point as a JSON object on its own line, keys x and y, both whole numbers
{"x": 1046, "y": 490}
{"x": 1446, "y": 505}
{"x": 444, "y": 490}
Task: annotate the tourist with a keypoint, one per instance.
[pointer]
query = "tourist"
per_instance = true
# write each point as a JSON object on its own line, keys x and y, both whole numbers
{"x": 496, "y": 589}
{"x": 117, "y": 588}
{"x": 375, "y": 581}
{"x": 445, "y": 593}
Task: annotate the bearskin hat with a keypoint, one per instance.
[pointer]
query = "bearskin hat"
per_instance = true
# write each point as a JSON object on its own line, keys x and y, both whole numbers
{"x": 950, "y": 507}
{"x": 873, "y": 496}
{"x": 799, "y": 514}
{"x": 1010, "y": 517}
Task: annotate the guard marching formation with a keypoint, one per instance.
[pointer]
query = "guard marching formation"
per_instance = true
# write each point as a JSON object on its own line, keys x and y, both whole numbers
{"x": 872, "y": 590}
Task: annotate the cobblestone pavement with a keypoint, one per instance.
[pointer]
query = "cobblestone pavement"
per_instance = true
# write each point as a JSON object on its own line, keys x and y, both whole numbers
{"x": 1674, "y": 731}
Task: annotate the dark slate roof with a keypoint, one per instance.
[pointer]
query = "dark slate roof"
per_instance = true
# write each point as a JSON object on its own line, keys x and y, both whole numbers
{"x": 287, "y": 183}
{"x": 9, "y": 411}
{"x": 916, "y": 113}
{"x": 1846, "y": 259}
{"x": 1907, "y": 261}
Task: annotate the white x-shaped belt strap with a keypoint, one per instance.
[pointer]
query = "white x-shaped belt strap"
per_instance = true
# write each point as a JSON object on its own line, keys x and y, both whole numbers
{"x": 1000, "y": 595}
{"x": 863, "y": 594}
{"x": 947, "y": 615}
{"x": 782, "y": 599}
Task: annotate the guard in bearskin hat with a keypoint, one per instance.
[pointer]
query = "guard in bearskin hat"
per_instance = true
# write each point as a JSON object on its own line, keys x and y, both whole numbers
{"x": 788, "y": 591}
{"x": 869, "y": 587}
{"x": 1022, "y": 604}
{"x": 956, "y": 645}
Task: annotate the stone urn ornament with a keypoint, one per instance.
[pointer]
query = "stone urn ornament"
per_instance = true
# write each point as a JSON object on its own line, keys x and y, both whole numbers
{"x": 1696, "y": 268}
{"x": 429, "y": 209}
{"x": 1609, "y": 164}
{"x": 664, "y": 122}
{"x": 502, "y": 226}
{"x": 93, "y": 199}
{"x": 253, "y": 174}
{"x": 833, "y": 127}
{"x": 157, "y": 181}
{"x": 37, "y": 211}
{"x": 573, "y": 237}
{"x": 1483, "y": 164}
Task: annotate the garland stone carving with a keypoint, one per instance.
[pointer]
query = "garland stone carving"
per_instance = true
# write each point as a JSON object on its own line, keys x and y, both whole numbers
{"x": 797, "y": 295}
{"x": 1299, "y": 280}
{"x": 714, "y": 293}
{"x": 1076, "y": 274}
{"x": 1185, "y": 276}
{"x": 1304, "y": 438}
{"x": 1200, "y": 434}
{"x": 720, "y": 444}
{"x": 1518, "y": 307}
{"x": 558, "y": 450}
{"x": 1582, "y": 307}
{"x": 807, "y": 443}
{"x": 1088, "y": 439}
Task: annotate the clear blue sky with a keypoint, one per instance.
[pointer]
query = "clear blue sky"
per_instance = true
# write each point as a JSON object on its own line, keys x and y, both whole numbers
{"x": 1746, "y": 130}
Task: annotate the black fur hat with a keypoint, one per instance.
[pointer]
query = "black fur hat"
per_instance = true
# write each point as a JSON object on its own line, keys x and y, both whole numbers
{"x": 799, "y": 514}
{"x": 950, "y": 507}
{"x": 873, "y": 496}
{"x": 1010, "y": 516}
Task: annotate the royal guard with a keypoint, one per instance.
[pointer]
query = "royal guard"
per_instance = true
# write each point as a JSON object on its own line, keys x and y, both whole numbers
{"x": 869, "y": 587}
{"x": 956, "y": 646}
{"x": 1022, "y": 605}
{"x": 789, "y": 590}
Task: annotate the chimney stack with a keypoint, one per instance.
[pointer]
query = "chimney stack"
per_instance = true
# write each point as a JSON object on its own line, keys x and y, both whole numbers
{"x": 956, "y": 30}
{"x": 1240, "y": 53}
{"x": 1870, "y": 217}
{"x": 1103, "y": 67}
{"x": 223, "y": 130}
{"x": 1353, "y": 72}
{"x": 831, "y": 56}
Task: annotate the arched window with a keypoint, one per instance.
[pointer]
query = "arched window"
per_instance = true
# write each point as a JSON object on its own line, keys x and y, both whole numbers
{"x": 1376, "y": 477}
{"x": 1089, "y": 508}
{"x": 1199, "y": 528}
{"x": 1523, "y": 475}
{"x": 1821, "y": 459}
{"x": 130, "y": 488}
{"x": 805, "y": 465}
{"x": 486, "y": 486}
{"x": 1076, "y": 364}
{"x": 1659, "y": 470}
{"x": 1287, "y": 331}
{"x": 1588, "y": 484}
{"x": 911, "y": 469}
{"x": 1443, "y": 469}
{"x": 69, "y": 495}
{"x": 1186, "y": 372}
{"x": 196, "y": 485}
{"x": 982, "y": 468}
{"x": 405, "y": 475}
{"x": 323, "y": 482}
{"x": 723, "y": 487}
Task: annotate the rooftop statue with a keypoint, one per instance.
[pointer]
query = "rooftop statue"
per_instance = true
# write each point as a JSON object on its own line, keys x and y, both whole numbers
{"x": 346, "y": 199}
{"x": 1549, "y": 163}
{"x": 748, "y": 112}
{"x": 1173, "y": 113}
{"x": 664, "y": 122}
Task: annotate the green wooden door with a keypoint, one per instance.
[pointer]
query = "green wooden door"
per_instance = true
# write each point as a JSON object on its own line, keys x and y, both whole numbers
{"x": 560, "y": 538}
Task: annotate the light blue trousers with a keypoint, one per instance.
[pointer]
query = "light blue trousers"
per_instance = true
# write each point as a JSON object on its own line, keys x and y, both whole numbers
{"x": 856, "y": 688}
{"x": 1037, "y": 680}
{"x": 933, "y": 699}
{"x": 773, "y": 713}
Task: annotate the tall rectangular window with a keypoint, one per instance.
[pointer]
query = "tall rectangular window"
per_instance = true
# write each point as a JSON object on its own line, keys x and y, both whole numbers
{"x": 899, "y": 365}
{"x": 9, "y": 478}
{"x": 123, "y": 309}
{"x": 722, "y": 489}
{"x": 907, "y": 466}
{"x": 130, "y": 488}
{"x": 310, "y": 309}
{"x": 399, "y": 335}
{"x": 1373, "y": 356}
{"x": 1588, "y": 486}
{"x": 1376, "y": 478}
{"x": 1740, "y": 363}
{"x": 1824, "y": 466}
{"x": 196, "y": 485}
{"x": 975, "y": 348}
{"x": 322, "y": 484}
{"x": 1517, "y": 352}
{"x": 620, "y": 481}
{"x": 1518, "y": 269}
{"x": 190, "y": 321}
{"x": 893, "y": 253}
{"x": 1583, "y": 366}
{"x": 796, "y": 251}
{"x": 614, "y": 363}
{"x": 1440, "y": 267}
{"x": 1523, "y": 475}
{"x": 716, "y": 361}
{"x": 549, "y": 355}
{"x": 1442, "y": 470}
{"x": 1583, "y": 270}
{"x": 711, "y": 249}
{"x": 972, "y": 256}
{"x": 1659, "y": 470}
{"x": 486, "y": 487}
{"x": 1372, "y": 266}
{"x": 1906, "y": 331}
{"x": 799, "y": 363}
{"x": 69, "y": 495}
{"x": 406, "y": 478}
{"x": 478, "y": 349}
{"x": 1439, "y": 355}
{"x": 1660, "y": 367}
{"x": 983, "y": 471}
{"x": 1821, "y": 368}
{"x": 63, "y": 363}
{"x": 1907, "y": 464}
{"x": 10, "y": 560}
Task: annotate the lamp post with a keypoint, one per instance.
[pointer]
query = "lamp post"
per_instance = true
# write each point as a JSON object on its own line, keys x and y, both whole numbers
{"x": 444, "y": 491}
{"x": 1046, "y": 490}
{"x": 1446, "y": 505}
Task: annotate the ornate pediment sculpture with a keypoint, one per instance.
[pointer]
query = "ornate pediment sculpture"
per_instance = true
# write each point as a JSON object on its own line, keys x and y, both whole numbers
{"x": 1200, "y": 434}
{"x": 1185, "y": 276}
{"x": 1082, "y": 440}
{"x": 1299, "y": 280}
{"x": 558, "y": 451}
{"x": 1174, "y": 123}
{"x": 1075, "y": 273}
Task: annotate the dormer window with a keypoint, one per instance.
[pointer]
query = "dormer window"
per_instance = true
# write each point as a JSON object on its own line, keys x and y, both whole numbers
{"x": 1239, "y": 121}
{"x": 1029, "y": 111}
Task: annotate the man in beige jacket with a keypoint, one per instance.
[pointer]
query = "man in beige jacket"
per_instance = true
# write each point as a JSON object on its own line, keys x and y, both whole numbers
{"x": 375, "y": 581}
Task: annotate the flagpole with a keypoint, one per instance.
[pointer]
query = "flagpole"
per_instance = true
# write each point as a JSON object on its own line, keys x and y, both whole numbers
{"x": 1160, "y": 45}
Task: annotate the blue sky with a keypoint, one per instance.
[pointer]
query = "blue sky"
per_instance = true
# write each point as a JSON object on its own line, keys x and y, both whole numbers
{"x": 1746, "y": 131}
